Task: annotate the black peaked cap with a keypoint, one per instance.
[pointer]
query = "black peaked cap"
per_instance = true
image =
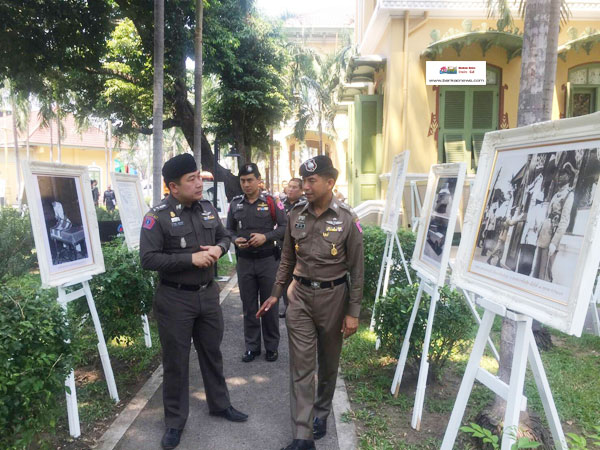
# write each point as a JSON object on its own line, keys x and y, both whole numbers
{"x": 178, "y": 166}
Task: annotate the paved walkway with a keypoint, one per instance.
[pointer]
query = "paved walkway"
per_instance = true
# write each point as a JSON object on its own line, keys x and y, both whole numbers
{"x": 259, "y": 388}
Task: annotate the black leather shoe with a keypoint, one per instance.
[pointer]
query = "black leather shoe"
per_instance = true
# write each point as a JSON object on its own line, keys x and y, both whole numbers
{"x": 231, "y": 414}
{"x": 271, "y": 356}
{"x": 319, "y": 428}
{"x": 250, "y": 355}
{"x": 171, "y": 438}
{"x": 301, "y": 444}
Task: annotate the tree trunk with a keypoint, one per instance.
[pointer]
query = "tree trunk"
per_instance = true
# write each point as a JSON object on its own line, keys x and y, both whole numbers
{"x": 237, "y": 125}
{"x": 198, "y": 84}
{"x": 51, "y": 141}
{"x": 271, "y": 161}
{"x": 157, "y": 114}
{"x": 551, "y": 57}
{"x": 320, "y": 130}
{"x": 27, "y": 140}
{"x": 16, "y": 138}
{"x": 58, "y": 134}
{"x": 535, "y": 60}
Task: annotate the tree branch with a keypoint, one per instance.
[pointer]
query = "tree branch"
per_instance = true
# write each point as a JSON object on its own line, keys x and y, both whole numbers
{"x": 111, "y": 73}
{"x": 168, "y": 123}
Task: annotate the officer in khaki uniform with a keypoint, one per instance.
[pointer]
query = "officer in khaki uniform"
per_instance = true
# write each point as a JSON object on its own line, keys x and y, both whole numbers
{"x": 323, "y": 253}
{"x": 182, "y": 238}
{"x": 256, "y": 221}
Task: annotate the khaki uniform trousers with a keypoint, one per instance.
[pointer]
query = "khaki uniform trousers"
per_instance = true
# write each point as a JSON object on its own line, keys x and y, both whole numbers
{"x": 314, "y": 321}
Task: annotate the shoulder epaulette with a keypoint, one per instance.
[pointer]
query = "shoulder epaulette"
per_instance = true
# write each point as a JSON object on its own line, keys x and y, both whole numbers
{"x": 238, "y": 197}
{"x": 160, "y": 207}
{"x": 300, "y": 203}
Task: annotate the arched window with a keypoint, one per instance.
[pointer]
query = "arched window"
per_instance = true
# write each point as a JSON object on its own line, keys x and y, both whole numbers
{"x": 583, "y": 90}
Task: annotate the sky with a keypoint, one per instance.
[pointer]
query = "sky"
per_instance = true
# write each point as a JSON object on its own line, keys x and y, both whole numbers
{"x": 277, "y": 7}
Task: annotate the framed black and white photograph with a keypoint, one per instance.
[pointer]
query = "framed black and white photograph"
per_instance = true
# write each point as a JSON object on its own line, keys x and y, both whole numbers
{"x": 393, "y": 199}
{"x": 131, "y": 204}
{"x": 63, "y": 220}
{"x": 531, "y": 238}
{"x": 208, "y": 194}
{"x": 438, "y": 217}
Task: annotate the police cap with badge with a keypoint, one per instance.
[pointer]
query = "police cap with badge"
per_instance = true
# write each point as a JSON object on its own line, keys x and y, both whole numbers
{"x": 249, "y": 169}
{"x": 318, "y": 165}
{"x": 178, "y": 166}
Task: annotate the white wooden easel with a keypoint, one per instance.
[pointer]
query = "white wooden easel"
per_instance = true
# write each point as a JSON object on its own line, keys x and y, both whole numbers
{"x": 387, "y": 262}
{"x": 64, "y": 298}
{"x": 415, "y": 205}
{"x": 594, "y": 303}
{"x": 525, "y": 350}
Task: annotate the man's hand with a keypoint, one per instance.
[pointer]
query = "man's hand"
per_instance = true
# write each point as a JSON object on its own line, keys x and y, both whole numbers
{"x": 241, "y": 242}
{"x": 552, "y": 249}
{"x": 349, "y": 326}
{"x": 214, "y": 251}
{"x": 266, "y": 306}
{"x": 257, "y": 239}
{"x": 202, "y": 259}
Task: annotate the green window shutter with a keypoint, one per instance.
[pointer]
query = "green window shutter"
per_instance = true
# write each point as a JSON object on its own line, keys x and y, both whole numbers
{"x": 455, "y": 148}
{"x": 476, "y": 143}
{"x": 454, "y": 109}
{"x": 369, "y": 137}
{"x": 483, "y": 110}
{"x": 569, "y": 100}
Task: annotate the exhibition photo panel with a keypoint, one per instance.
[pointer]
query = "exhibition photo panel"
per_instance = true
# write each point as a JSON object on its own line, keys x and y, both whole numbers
{"x": 532, "y": 240}
{"x": 132, "y": 206}
{"x": 393, "y": 203}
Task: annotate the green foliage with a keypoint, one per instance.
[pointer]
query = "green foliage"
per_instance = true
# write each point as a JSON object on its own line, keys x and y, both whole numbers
{"x": 16, "y": 244}
{"x": 34, "y": 360}
{"x": 452, "y": 327}
{"x": 103, "y": 214}
{"x": 578, "y": 442}
{"x": 122, "y": 294}
{"x": 374, "y": 244}
{"x": 487, "y": 437}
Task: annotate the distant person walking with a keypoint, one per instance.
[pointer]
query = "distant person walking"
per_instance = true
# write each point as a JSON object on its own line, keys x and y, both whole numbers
{"x": 95, "y": 192}
{"x": 109, "y": 198}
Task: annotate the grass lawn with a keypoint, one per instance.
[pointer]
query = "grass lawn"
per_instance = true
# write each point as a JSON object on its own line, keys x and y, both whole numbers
{"x": 383, "y": 422}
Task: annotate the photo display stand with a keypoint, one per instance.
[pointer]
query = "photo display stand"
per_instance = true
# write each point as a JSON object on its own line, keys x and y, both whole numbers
{"x": 430, "y": 260}
{"x": 595, "y": 301}
{"x": 530, "y": 250}
{"x": 389, "y": 224}
{"x": 64, "y": 297}
{"x": 132, "y": 208}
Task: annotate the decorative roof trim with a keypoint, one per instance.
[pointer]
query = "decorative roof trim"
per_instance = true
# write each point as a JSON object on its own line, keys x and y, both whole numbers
{"x": 586, "y": 41}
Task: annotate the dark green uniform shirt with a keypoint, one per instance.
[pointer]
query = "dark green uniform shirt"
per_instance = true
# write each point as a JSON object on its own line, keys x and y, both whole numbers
{"x": 170, "y": 234}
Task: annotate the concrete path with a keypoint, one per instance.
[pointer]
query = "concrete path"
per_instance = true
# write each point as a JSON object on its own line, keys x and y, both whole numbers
{"x": 259, "y": 388}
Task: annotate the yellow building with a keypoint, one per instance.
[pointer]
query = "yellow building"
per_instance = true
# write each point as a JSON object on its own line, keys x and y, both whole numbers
{"x": 85, "y": 147}
{"x": 391, "y": 108}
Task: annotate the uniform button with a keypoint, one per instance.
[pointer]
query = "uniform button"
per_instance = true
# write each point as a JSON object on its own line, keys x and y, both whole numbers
{"x": 303, "y": 234}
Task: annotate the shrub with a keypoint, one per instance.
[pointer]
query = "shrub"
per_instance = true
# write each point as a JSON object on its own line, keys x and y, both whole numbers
{"x": 34, "y": 360}
{"x": 16, "y": 244}
{"x": 374, "y": 244}
{"x": 104, "y": 215}
{"x": 121, "y": 294}
{"x": 452, "y": 327}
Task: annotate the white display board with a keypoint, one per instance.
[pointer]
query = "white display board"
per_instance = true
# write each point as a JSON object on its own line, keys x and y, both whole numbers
{"x": 531, "y": 238}
{"x": 207, "y": 194}
{"x": 63, "y": 217}
{"x": 438, "y": 220}
{"x": 132, "y": 206}
{"x": 393, "y": 200}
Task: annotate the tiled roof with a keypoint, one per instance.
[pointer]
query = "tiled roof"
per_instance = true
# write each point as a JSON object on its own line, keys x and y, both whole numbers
{"x": 90, "y": 137}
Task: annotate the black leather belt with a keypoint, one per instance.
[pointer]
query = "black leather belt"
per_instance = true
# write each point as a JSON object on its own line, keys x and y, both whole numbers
{"x": 185, "y": 287}
{"x": 256, "y": 254}
{"x": 320, "y": 284}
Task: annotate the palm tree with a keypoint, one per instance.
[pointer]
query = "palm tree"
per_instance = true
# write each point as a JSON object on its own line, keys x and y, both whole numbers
{"x": 157, "y": 120}
{"x": 13, "y": 104}
{"x": 198, "y": 83}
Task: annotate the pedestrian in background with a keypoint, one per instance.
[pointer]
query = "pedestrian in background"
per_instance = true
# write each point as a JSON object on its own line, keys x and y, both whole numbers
{"x": 256, "y": 221}
{"x": 323, "y": 253}
{"x": 109, "y": 198}
{"x": 182, "y": 238}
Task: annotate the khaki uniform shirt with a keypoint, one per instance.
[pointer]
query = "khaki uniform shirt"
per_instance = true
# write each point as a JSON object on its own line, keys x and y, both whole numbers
{"x": 170, "y": 234}
{"x": 557, "y": 219}
{"x": 323, "y": 248}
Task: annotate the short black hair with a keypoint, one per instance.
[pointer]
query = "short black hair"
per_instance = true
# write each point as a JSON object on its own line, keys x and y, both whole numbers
{"x": 329, "y": 173}
{"x": 297, "y": 180}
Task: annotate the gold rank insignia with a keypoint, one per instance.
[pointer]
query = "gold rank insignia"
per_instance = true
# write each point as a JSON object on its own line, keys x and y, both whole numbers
{"x": 333, "y": 250}
{"x": 325, "y": 234}
{"x": 172, "y": 214}
{"x": 297, "y": 247}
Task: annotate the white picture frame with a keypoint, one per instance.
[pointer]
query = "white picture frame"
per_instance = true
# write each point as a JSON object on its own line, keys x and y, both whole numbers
{"x": 64, "y": 223}
{"x": 132, "y": 206}
{"x": 223, "y": 205}
{"x": 393, "y": 200}
{"x": 438, "y": 218}
{"x": 551, "y": 285}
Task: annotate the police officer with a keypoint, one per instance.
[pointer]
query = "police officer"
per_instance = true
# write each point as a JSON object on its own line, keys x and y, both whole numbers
{"x": 256, "y": 221}
{"x": 182, "y": 238}
{"x": 294, "y": 195}
{"x": 323, "y": 253}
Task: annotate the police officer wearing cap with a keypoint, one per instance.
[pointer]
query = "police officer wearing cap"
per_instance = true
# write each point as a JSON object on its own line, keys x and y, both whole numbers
{"x": 256, "y": 220}
{"x": 323, "y": 253}
{"x": 182, "y": 238}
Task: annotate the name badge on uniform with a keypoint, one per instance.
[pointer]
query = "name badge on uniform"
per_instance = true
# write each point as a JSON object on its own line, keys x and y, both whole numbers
{"x": 301, "y": 218}
{"x": 175, "y": 219}
{"x": 239, "y": 206}
{"x": 300, "y": 225}
{"x": 336, "y": 229}
{"x": 177, "y": 224}
{"x": 183, "y": 243}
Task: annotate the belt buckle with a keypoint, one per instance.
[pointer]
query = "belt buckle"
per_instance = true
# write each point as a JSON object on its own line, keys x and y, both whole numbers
{"x": 315, "y": 284}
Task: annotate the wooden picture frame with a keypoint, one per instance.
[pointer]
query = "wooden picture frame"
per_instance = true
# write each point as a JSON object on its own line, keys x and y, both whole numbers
{"x": 393, "y": 199}
{"x": 438, "y": 220}
{"x": 64, "y": 223}
{"x": 539, "y": 184}
{"x": 132, "y": 206}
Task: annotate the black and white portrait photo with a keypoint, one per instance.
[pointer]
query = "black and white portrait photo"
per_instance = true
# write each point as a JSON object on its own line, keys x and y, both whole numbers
{"x": 535, "y": 215}
{"x": 438, "y": 222}
{"x": 62, "y": 214}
